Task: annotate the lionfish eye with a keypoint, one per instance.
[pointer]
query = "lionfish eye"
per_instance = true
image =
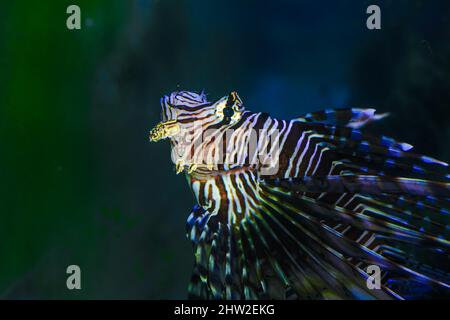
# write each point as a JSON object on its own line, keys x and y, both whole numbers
{"x": 231, "y": 111}
{"x": 232, "y": 106}
{"x": 228, "y": 112}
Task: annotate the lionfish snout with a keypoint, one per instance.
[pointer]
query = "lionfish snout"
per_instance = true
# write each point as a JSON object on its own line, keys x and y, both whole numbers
{"x": 168, "y": 127}
{"x": 164, "y": 130}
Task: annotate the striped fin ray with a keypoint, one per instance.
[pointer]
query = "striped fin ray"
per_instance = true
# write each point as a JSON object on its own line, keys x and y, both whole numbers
{"x": 230, "y": 289}
{"x": 216, "y": 261}
{"x": 249, "y": 283}
{"x": 273, "y": 274}
{"x": 199, "y": 232}
{"x": 365, "y": 184}
{"x": 388, "y": 233}
{"x": 326, "y": 263}
{"x": 383, "y": 224}
{"x": 226, "y": 264}
{"x": 350, "y": 117}
{"x": 426, "y": 223}
{"x": 376, "y": 165}
{"x": 250, "y": 251}
{"x": 351, "y": 137}
{"x": 357, "y": 143}
{"x": 428, "y": 204}
{"x": 303, "y": 283}
{"x": 382, "y": 156}
{"x": 323, "y": 267}
{"x": 386, "y": 151}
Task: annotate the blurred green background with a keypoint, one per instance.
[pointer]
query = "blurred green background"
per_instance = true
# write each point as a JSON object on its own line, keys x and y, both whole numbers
{"x": 79, "y": 181}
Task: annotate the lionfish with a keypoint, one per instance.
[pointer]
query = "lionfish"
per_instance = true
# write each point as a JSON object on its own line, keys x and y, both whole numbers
{"x": 342, "y": 205}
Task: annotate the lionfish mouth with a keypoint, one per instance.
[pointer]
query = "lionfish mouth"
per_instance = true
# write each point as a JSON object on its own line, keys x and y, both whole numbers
{"x": 164, "y": 130}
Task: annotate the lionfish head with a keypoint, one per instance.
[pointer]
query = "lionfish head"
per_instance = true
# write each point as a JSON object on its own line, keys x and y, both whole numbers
{"x": 183, "y": 112}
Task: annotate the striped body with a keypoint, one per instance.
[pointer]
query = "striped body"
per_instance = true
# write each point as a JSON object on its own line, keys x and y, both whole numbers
{"x": 339, "y": 202}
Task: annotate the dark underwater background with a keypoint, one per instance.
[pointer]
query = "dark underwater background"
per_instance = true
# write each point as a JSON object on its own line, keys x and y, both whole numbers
{"x": 79, "y": 181}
